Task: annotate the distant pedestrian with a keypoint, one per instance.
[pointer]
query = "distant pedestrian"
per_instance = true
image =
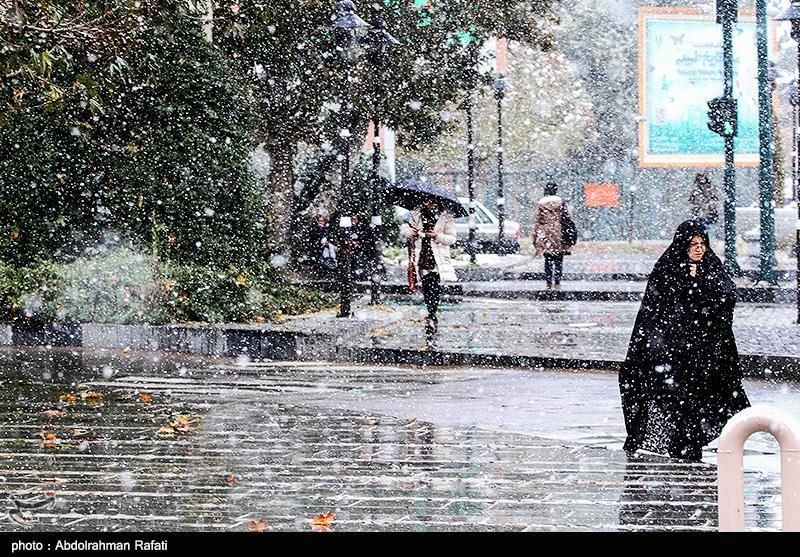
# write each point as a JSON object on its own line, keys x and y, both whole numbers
{"x": 703, "y": 200}
{"x": 681, "y": 381}
{"x": 362, "y": 241}
{"x": 548, "y": 235}
{"x": 431, "y": 231}
{"x": 321, "y": 252}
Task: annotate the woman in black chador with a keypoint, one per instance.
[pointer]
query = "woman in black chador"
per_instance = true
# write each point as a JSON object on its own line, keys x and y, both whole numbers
{"x": 681, "y": 381}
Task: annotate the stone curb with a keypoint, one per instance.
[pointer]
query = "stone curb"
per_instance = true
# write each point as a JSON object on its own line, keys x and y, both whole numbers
{"x": 267, "y": 343}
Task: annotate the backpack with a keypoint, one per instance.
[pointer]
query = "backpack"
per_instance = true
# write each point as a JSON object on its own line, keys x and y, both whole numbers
{"x": 569, "y": 233}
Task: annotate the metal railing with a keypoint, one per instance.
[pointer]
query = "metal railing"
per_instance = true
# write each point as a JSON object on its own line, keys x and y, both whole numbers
{"x": 731, "y": 465}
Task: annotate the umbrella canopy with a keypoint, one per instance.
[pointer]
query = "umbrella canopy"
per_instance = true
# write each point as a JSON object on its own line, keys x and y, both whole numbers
{"x": 413, "y": 193}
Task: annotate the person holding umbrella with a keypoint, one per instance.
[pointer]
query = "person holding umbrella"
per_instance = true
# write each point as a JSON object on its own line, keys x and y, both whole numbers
{"x": 432, "y": 230}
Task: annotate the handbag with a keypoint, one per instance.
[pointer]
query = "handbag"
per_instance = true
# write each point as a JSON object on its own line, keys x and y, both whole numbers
{"x": 412, "y": 272}
{"x": 569, "y": 233}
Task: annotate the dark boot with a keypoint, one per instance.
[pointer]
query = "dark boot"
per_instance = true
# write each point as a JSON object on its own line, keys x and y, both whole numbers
{"x": 431, "y": 325}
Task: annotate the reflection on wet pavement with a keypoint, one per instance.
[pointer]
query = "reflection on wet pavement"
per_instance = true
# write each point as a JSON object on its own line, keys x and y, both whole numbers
{"x": 107, "y": 441}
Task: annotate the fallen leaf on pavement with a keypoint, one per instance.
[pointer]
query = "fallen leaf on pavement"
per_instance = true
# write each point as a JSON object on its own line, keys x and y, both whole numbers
{"x": 323, "y": 521}
{"x": 257, "y": 525}
{"x": 69, "y": 398}
{"x": 91, "y": 396}
{"x": 49, "y": 440}
{"x": 230, "y": 480}
{"x": 181, "y": 423}
{"x": 77, "y": 431}
{"x": 145, "y": 397}
{"x": 54, "y": 413}
{"x": 126, "y": 350}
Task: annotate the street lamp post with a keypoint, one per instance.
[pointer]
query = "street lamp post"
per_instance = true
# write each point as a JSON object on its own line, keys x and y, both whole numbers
{"x": 727, "y": 16}
{"x": 500, "y": 85}
{"x": 792, "y": 14}
{"x": 346, "y": 24}
{"x": 766, "y": 272}
{"x": 379, "y": 40}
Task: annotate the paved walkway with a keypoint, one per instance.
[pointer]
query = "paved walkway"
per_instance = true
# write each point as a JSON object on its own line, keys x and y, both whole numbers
{"x": 152, "y": 442}
{"x": 576, "y": 330}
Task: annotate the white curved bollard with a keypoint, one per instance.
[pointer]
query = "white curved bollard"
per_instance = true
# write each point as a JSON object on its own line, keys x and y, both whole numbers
{"x": 730, "y": 464}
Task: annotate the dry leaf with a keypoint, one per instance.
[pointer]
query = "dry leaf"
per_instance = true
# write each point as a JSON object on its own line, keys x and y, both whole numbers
{"x": 230, "y": 480}
{"x": 257, "y": 525}
{"x": 54, "y": 413}
{"x": 77, "y": 431}
{"x": 240, "y": 280}
{"x": 52, "y": 480}
{"x": 145, "y": 397}
{"x": 323, "y": 521}
{"x": 180, "y": 424}
{"x": 190, "y": 449}
{"x": 91, "y": 396}
{"x": 69, "y": 398}
{"x": 126, "y": 350}
{"x": 49, "y": 440}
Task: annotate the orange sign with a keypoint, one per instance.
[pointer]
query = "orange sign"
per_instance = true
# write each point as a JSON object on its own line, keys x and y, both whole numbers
{"x": 601, "y": 195}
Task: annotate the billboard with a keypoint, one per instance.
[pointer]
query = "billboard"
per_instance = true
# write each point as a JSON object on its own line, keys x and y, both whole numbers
{"x": 680, "y": 70}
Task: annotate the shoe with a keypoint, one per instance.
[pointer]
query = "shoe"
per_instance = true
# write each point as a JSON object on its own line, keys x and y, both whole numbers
{"x": 556, "y": 287}
{"x": 549, "y": 286}
{"x": 430, "y": 330}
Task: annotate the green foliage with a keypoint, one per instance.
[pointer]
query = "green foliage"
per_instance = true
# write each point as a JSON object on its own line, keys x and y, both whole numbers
{"x": 27, "y": 293}
{"x": 119, "y": 286}
{"x": 125, "y": 287}
{"x": 232, "y": 295}
{"x": 161, "y": 158}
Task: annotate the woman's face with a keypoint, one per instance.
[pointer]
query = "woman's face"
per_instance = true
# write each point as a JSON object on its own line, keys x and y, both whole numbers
{"x": 697, "y": 248}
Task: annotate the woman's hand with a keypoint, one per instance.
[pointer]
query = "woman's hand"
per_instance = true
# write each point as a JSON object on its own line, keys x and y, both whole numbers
{"x": 693, "y": 269}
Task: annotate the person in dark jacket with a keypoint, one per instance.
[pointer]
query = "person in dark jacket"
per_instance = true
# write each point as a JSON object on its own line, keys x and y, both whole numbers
{"x": 681, "y": 381}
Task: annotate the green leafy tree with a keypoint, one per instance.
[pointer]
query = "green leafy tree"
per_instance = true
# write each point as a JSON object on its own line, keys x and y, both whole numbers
{"x": 151, "y": 148}
{"x": 287, "y": 51}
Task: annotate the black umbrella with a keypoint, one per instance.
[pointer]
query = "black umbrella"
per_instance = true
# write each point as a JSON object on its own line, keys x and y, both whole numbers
{"x": 413, "y": 193}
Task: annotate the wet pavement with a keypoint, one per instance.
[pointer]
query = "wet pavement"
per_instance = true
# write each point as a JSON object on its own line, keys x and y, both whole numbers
{"x": 125, "y": 441}
{"x": 567, "y": 329}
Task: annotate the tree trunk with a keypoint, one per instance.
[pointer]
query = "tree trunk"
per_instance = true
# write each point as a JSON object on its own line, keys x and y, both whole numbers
{"x": 281, "y": 185}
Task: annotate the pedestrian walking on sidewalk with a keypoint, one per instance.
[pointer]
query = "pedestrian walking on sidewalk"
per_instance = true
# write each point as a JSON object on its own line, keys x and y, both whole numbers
{"x": 548, "y": 235}
{"x": 703, "y": 200}
{"x": 432, "y": 230}
{"x": 681, "y": 381}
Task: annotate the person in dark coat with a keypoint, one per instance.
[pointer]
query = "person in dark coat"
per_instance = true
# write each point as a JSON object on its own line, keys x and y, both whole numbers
{"x": 321, "y": 252}
{"x": 681, "y": 382}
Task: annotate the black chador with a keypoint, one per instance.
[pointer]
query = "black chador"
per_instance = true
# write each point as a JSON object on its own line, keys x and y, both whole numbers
{"x": 681, "y": 380}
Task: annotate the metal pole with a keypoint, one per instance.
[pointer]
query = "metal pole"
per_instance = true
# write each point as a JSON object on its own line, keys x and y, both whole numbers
{"x": 731, "y": 264}
{"x": 501, "y": 200}
{"x": 796, "y": 175}
{"x": 470, "y": 179}
{"x": 730, "y": 465}
{"x": 345, "y": 222}
{"x": 377, "y": 194}
{"x": 631, "y": 204}
{"x": 765, "y": 179}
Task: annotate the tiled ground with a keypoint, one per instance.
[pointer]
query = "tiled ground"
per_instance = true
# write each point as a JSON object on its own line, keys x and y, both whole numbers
{"x": 284, "y": 442}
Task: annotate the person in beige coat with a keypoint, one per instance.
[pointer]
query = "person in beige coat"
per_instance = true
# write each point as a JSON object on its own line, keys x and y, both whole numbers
{"x": 433, "y": 231}
{"x": 547, "y": 235}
